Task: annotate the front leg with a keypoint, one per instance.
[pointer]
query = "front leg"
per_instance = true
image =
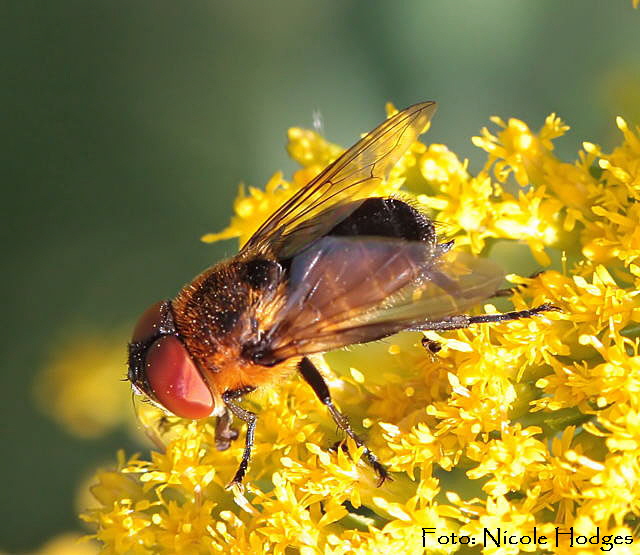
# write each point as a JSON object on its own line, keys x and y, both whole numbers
{"x": 250, "y": 418}
{"x": 311, "y": 375}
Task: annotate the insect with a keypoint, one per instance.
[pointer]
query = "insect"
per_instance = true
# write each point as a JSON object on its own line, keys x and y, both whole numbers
{"x": 331, "y": 267}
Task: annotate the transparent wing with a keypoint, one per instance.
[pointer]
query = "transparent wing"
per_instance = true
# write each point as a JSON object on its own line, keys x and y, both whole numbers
{"x": 354, "y": 290}
{"x": 315, "y": 208}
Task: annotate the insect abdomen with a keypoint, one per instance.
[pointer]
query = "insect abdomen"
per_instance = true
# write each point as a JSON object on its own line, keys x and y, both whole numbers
{"x": 386, "y": 217}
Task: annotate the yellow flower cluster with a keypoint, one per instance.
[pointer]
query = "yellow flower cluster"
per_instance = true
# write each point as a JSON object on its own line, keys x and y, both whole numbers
{"x": 77, "y": 386}
{"x": 528, "y": 424}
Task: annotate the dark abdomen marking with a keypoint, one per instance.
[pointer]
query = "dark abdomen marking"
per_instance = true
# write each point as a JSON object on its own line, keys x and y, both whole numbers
{"x": 386, "y": 217}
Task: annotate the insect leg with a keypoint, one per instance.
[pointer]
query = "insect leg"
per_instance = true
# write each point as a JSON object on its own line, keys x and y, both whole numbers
{"x": 316, "y": 381}
{"x": 508, "y": 291}
{"x": 225, "y": 434}
{"x": 505, "y": 292}
{"x": 250, "y": 418}
{"x": 444, "y": 282}
{"x": 514, "y": 315}
{"x": 461, "y": 321}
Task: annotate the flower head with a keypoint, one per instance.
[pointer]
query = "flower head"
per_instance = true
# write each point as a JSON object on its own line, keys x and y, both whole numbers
{"x": 77, "y": 386}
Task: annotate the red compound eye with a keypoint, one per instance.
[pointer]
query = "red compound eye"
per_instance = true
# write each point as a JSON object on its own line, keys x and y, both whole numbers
{"x": 175, "y": 380}
{"x": 148, "y": 323}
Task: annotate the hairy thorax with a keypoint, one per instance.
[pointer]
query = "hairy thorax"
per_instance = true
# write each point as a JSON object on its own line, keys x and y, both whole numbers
{"x": 223, "y": 313}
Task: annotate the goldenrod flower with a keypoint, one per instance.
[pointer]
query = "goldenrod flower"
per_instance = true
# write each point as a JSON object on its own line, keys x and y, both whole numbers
{"x": 78, "y": 388}
{"x": 68, "y": 543}
{"x": 530, "y": 423}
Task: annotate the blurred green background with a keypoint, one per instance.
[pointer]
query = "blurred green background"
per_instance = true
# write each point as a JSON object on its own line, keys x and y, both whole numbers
{"x": 128, "y": 125}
